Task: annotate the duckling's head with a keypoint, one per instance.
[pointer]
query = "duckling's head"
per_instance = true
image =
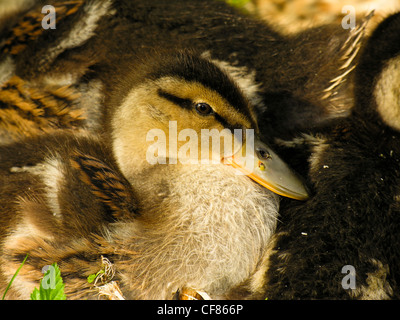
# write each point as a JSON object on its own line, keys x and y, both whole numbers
{"x": 195, "y": 206}
{"x": 174, "y": 224}
{"x": 180, "y": 109}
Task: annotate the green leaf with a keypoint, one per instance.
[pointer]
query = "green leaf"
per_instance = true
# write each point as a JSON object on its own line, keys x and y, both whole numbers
{"x": 51, "y": 286}
{"x": 93, "y": 276}
{"x": 35, "y": 295}
{"x": 13, "y": 277}
{"x": 238, "y": 3}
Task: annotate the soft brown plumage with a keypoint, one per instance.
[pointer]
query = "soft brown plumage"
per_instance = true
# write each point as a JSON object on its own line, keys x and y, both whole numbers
{"x": 75, "y": 197}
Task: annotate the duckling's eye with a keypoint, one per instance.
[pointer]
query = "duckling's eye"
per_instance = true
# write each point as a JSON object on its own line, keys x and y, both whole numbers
{"x": 263, "y": 154}
{"x": 203, "y": 108}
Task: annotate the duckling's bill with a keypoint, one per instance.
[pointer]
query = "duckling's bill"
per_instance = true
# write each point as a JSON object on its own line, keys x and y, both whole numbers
{"x": 261, "y": 164}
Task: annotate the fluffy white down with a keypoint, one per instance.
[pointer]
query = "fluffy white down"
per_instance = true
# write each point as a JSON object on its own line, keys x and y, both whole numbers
{"x": 216, "y": 230}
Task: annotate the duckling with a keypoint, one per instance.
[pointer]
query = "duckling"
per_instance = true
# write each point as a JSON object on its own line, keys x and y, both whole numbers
{"x": 344, "y": 242}
{"x": 91, "y": 39}
{"x": 77, "y": 198}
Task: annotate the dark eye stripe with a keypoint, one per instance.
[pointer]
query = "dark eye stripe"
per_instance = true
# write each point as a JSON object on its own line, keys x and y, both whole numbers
{"x": 183, "y": 103}
{"x": 188, "y": 104}
{"x": 225, "y": 123}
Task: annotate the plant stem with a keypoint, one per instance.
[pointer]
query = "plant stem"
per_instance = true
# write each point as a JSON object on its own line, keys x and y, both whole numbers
{"x": 15, "y": 274}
